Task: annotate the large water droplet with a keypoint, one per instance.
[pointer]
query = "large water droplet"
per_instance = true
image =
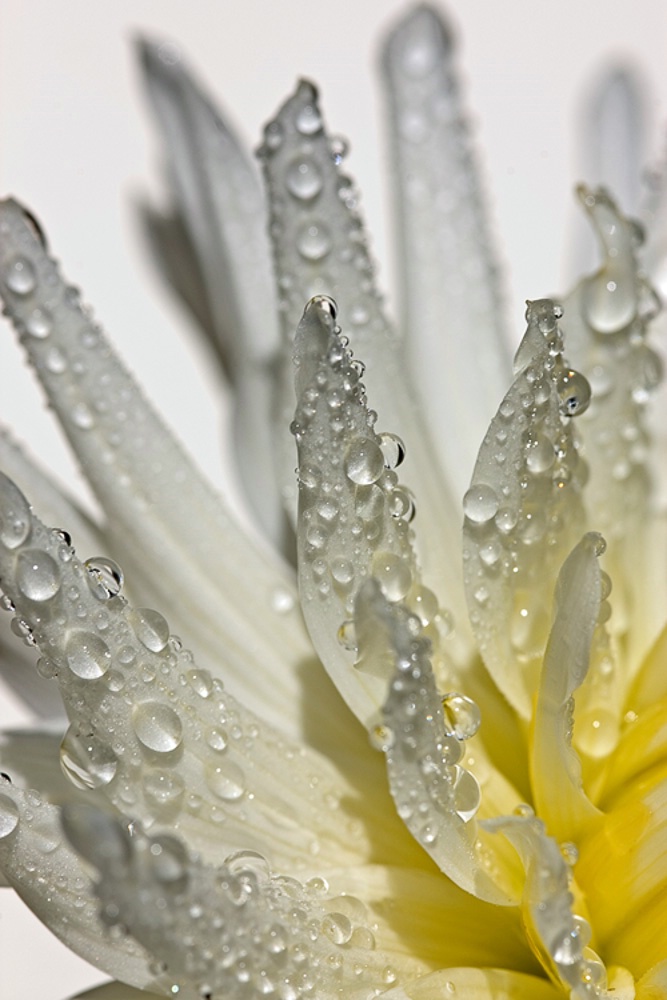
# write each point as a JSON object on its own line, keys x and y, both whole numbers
{"x": 308, "y": 119}
{"x": 480, "y": 503}
{"x": 87, "y": 655}
{"x": 20, "y": 276}
{"x": 157, "y": 726}
{"x": 86, "y": 762}
{"x": 394, "y": 575}
{"x": 574, "y": 393}
{"x": 609, "y": 304}
{"x": 364, "y": 461}
{"x": 105, "y": 577}
{"x": 462, "y": 715}
{"x": 337, "y": 927}
{"x": 37, "y": 575}
{"x": 150, "y": 628}
{"x": 466, "y": 794}
{"x": 14, "y": 514}
{"x": 226, "y": 780}
{"x": 303, "y": 178}
{"x": 393, "y": 450}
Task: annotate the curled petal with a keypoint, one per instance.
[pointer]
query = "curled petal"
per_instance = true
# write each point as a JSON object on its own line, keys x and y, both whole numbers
{"x": 523, "y": 511}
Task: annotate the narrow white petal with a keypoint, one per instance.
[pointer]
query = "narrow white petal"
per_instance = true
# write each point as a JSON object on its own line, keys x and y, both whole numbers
{"x": 608, "y": 319}
{"x": 320, "y": 248}
{"x": 232, "y": 930}
{"x": 159, "y": 737}
{"x": 452, "y": 313}
{"x": 115, "y": 991}
{"x": 523, "y": 511}
{"x": 174, "y": 536}
{"x": 221, "y": 204}
{"x": 555, "y": 767}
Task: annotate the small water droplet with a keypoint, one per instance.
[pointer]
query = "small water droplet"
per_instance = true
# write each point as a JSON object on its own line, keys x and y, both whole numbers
{"x": 226, "y": 780}
{"x": 201, "y": 682}
{"x": 37, "y": 575}
{"x": 337, "y": 927}
{"x": 540, "y": 454}
{"x": 273, "y": 136}
{"x": 157, "y": 726}
{"x": 163, "y": 789}
{"x": 81, "y": 417}
{"x": 217, "y": 739}
{"x": 393, "y": 450}
{"x": 150, "y": 628}
{"x": 462, "y": 715}
{"x": 9, "y": 816}
{"x": 364, "y": 461}
{"x": 308, "y": 119}
{"x": 313, "y": 241}
{"x": 394, "y": 575}
{"x": 88, "y": 656}
{"x": 105, "y": 577}
{"x": 303, "y": 178}
{"x": 480, "y": 503}
{"x": 55, "y": 361}
{"x": 342, "y": 570}
{"x": 466, "y": 794}
{"x": 339, "y": 148}
{"x": 39, "y": 323}
{"x": 20, "y": 276}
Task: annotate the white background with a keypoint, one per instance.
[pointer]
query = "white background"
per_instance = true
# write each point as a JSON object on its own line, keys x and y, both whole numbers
{"x": 76, "y": 145}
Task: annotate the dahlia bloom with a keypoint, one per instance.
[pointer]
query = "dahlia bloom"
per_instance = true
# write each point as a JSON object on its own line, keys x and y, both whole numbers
{"x": 475, "y": 806}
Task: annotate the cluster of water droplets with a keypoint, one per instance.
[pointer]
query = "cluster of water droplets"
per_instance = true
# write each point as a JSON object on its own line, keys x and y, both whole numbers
{"x": 523, "y": 510}
{"x": 235, "y": 927}
{"x": 154, "y": 733}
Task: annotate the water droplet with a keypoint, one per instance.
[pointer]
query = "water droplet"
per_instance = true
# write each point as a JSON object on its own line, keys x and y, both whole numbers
{"x": 425, "y": 605}
{"x": 87, "y": 655}
{"x": 14, "y": 515}
{"x": 393, "y": 450}
{"x": 394, "y": 575}
{"x": 81, "y": 417}
{"x": 226, "y": 780}
{"x": 339, "y": 148}
{"x": 596, "y": 732}
{"x": 313, "y": 241}
{"x": 506, "y": 520}
{"x": 163, "y": 789}
{"x": 55, "y": 361}
{"x": 466, "y": 794}
{"x": 150, "y": 628}
{"x": 201, "y": 682}
{"x": 308, "y": 119}
{"x": 347, "y": 636}
{"x": 37, "y": 575}
{"x": 337, "y": 927}
{"x": 303, "y": 178}
{"x": 105, "y": 577}
{"x": 382, "y": 737}
{"x": 20, "y": 276}
{"x": 39, "y": 323}
{"x": 364, "y": 461}
{"x": 609, "y": 305}
{"x": 574, "y": 393}
{"x": 9, "y": 816}
{"x": 157, "y": 726}
{"x": 462, "y": 715}
{"x": 570, "y": 853}
{"x": 540, "y": 454}
{"x": 566, "y": 948}
{"x": 217, "y": 739}
{"x": 480, "y": 503}
{"x": 85, "y": 761}
{"x": 273, "y": 136}
{"x": 342, "y": 570}
{"x": 401, "y": 504}
{"x": 490, "y": 553}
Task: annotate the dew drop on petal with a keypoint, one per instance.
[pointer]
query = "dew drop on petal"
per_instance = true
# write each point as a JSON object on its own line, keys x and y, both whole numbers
{"x": 337, "y": 927}
{"x": 382, "y": 737}
{"x": 226, "y": 780}
{"x": 313, "y": 241}
{"x": 86, "y": 762}
{"x": 14, "y": 515}
{"x": 150, "y": 628}
{"x": 574, "y": 393}
{"x": 394, "y": 575}
{"x": 304, "y": 179}
{"x": 39, "y": 324}
{"x": 462, "y": 715}
{"x": 201, "y": 682}
{"x": 480, "y": 503}
{"x": 308, "y": 120}
{"x": 157, "y": 726}
{"x": 105, "y": 577}
{"x": 364, "y": 461}
{"x": 20, "y": 276}
{"x": 466, "y": 794}
{"x": 37, "y": 575}
{"x": 9, "y": 816}
{"x": 393, "y": 450}
{"x": 163, "y": 788}
{"x": 87, "y": 655}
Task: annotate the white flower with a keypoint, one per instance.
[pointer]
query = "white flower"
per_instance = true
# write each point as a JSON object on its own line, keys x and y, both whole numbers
{"x": 238, "y": 852}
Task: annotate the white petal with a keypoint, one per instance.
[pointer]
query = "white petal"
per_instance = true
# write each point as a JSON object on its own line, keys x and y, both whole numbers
{"x": 477, "y": 984}
{"x": 51, "y": 878}
{"x": 174, "y": 536}
{"x": 523, "y": 511}
{"x": 114, "y": 991}
{"x": 233, "y": 929}
{"x": 452, "y": 314}
{"x": 160, "y": 737}
{"x": 556, "y": 779}
{"x": 320, "y": 247}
